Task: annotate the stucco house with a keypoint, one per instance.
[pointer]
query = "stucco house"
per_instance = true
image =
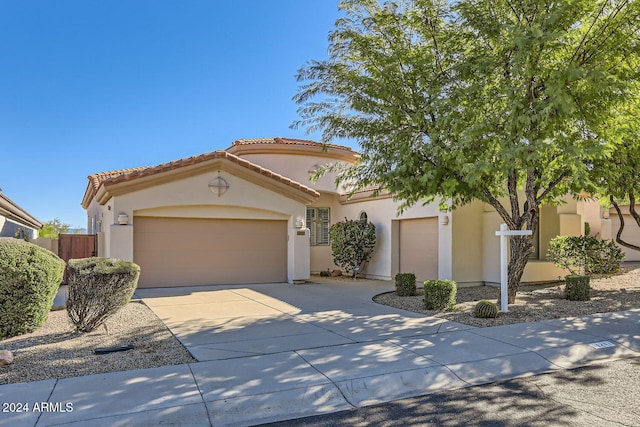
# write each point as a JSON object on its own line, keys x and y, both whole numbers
{"x": 14, "y": 219}
{"x": 251, "y": 214}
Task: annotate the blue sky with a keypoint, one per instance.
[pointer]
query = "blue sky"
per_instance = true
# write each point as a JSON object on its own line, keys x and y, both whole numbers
{"x": 91, "y": 86}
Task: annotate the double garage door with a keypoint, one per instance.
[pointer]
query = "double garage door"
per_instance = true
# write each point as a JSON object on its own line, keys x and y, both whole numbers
{"x": 191, "y": 252}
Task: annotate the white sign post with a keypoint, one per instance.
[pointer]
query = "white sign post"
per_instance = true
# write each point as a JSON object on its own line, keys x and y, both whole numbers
{"x": 504, "y": 262}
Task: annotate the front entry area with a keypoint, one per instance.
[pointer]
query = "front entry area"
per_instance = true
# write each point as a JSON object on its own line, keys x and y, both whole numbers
{"x": 195, "y": 251}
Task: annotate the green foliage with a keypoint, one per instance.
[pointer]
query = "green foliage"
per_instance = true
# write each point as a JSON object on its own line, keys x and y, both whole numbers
{"x": 485, "y": 309}
{"x": 440, "y": 294}
{"x": 352, "y": 244}
{"x": 53, "y": 228}
{"x": 585, "y": 255}
{"x": 587, "y": 229}
{"x": 476, "y": 99}
{"x": 577, "y": 288}
{"x": 325, "y": 273}
{"x": 98, "y": 288}
{"x": 405, "y": 284}
{"x": 29, "y": 280}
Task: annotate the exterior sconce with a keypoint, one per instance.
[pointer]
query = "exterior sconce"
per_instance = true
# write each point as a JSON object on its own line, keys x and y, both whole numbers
{"x": 299, "y": 223}
{"x": 123, "y": 219}
{"x": 444, "y": 220}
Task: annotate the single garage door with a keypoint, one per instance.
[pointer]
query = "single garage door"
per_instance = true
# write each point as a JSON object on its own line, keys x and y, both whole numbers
{"x": 419, "y": 247}
{"x": 189, "y": 252}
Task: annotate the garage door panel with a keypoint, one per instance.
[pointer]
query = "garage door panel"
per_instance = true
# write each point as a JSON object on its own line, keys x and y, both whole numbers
{"x": 419, "y": 248}
{"x": 188, "y": 252}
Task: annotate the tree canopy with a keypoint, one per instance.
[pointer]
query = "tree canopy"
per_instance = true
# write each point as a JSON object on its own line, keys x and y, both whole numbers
{"x": 504, "y": 101}
{"x": 53, "y": 228}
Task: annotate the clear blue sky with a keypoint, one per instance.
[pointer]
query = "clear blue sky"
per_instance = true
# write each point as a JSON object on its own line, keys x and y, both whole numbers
{"x": 91, "y": 86}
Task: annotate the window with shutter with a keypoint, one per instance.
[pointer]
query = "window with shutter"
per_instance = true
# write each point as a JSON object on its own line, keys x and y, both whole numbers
{"x": 318, "y": 220}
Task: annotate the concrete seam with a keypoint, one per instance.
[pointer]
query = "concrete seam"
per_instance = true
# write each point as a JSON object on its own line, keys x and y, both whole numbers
{"x": 48, "y": 399}
{"x": 330, "y": 380}
{"x": 206, "y": 408}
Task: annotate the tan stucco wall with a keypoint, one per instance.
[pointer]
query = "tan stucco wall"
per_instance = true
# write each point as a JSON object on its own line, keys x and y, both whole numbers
{"x": 191, "y": 197}
{"x": 297, "y": 167}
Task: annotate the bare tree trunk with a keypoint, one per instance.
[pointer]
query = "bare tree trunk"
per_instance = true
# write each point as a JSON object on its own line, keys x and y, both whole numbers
{"x": 521, "y": 248}
{"x": 621, "y": 218}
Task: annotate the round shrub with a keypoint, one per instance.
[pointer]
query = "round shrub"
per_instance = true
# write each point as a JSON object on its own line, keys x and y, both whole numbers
{"x": 29, "y": 280}
{"x": 440, "y": 294}
{"x": 577, "y": 288}
{"x": 485, "y": 309}
{"x": 405, "y": 284}
{"x": 98, "y": 288}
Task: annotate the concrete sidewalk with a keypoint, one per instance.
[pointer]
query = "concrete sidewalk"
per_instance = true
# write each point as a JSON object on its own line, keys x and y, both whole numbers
{"x": 342, "y": 351}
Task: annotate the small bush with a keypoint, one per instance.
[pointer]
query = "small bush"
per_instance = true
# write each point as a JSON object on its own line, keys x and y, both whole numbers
{"x": 325, "y": 273}
{"x": 98, "y": 288}
{"x": 405, "y": 284}
{"x": 29, "y": 280}
{"x": 577, "y": 288}
{"x": 440, "y": 294}
{"x": 585, "y": 255}
{"x": 485, "y": 309}
{"x": 352, "y": 244}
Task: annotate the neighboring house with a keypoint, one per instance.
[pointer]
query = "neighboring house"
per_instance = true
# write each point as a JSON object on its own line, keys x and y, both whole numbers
{"x": 14, "y": 220}
{"x": 251, "y": 214}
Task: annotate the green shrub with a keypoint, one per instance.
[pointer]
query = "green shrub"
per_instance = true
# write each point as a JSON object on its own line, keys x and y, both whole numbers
{"x": 98, "y": 288}
{"x": 440, "y": 294}
{"x": 352, "y": 244}
{"x": 577, "y": 288}
{"x": 405, "y": 284}
{"x": 325, "y": 273}
{"x": 485, "y": 309}
{"x": 29, "y": 280}
{"x": 585, "y": 255}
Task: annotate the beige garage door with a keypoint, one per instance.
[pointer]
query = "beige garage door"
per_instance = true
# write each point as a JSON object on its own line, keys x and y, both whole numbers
{"x": 419, "y": 248}
{"x": 188, "y": 252}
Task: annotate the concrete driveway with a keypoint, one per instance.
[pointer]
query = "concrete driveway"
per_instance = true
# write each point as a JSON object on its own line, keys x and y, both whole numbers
{"x": 272, "y": 352}
{"x": 225, "y": 322}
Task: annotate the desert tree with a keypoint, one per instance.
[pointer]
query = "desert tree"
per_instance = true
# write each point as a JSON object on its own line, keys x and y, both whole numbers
{"x": 501, "y": 101}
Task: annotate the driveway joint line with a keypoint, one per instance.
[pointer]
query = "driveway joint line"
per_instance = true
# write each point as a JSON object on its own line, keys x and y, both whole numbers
{"x": 55, "y": 384}
{"x": 195, "y": 381}
{"x": 329, "y": 379}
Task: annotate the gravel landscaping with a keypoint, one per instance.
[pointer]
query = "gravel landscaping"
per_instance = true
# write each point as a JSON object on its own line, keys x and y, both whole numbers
{"x": 57, "y": 351}
{"x": 534, "y": 303}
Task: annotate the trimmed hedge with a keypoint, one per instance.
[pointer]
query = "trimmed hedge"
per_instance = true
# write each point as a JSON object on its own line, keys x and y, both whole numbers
{"x": 405, "y": 284}
{"x": 440, "y": 294}
{"x": 98, "y": 288}
{"x": 29, "y": 280}
{"x": 577, "y": 288}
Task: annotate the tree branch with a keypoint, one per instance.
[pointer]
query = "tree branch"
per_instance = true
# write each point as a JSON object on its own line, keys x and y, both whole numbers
{"x": 619, "y": 234}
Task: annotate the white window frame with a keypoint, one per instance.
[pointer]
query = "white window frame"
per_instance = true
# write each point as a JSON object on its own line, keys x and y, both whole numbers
{"x": 318, "y": 221}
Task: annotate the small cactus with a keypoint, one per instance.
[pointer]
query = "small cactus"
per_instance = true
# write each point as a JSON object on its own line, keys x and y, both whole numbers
{"x": 485, "y": 309}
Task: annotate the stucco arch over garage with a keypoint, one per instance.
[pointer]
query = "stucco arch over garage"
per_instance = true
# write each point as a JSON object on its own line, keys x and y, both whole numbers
{"x": 190, "y": 214}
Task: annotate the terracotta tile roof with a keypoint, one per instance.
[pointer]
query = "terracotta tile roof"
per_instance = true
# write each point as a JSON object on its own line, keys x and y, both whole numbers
{"x": 124, "y": 175}
{"x": 289, "y": 141}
